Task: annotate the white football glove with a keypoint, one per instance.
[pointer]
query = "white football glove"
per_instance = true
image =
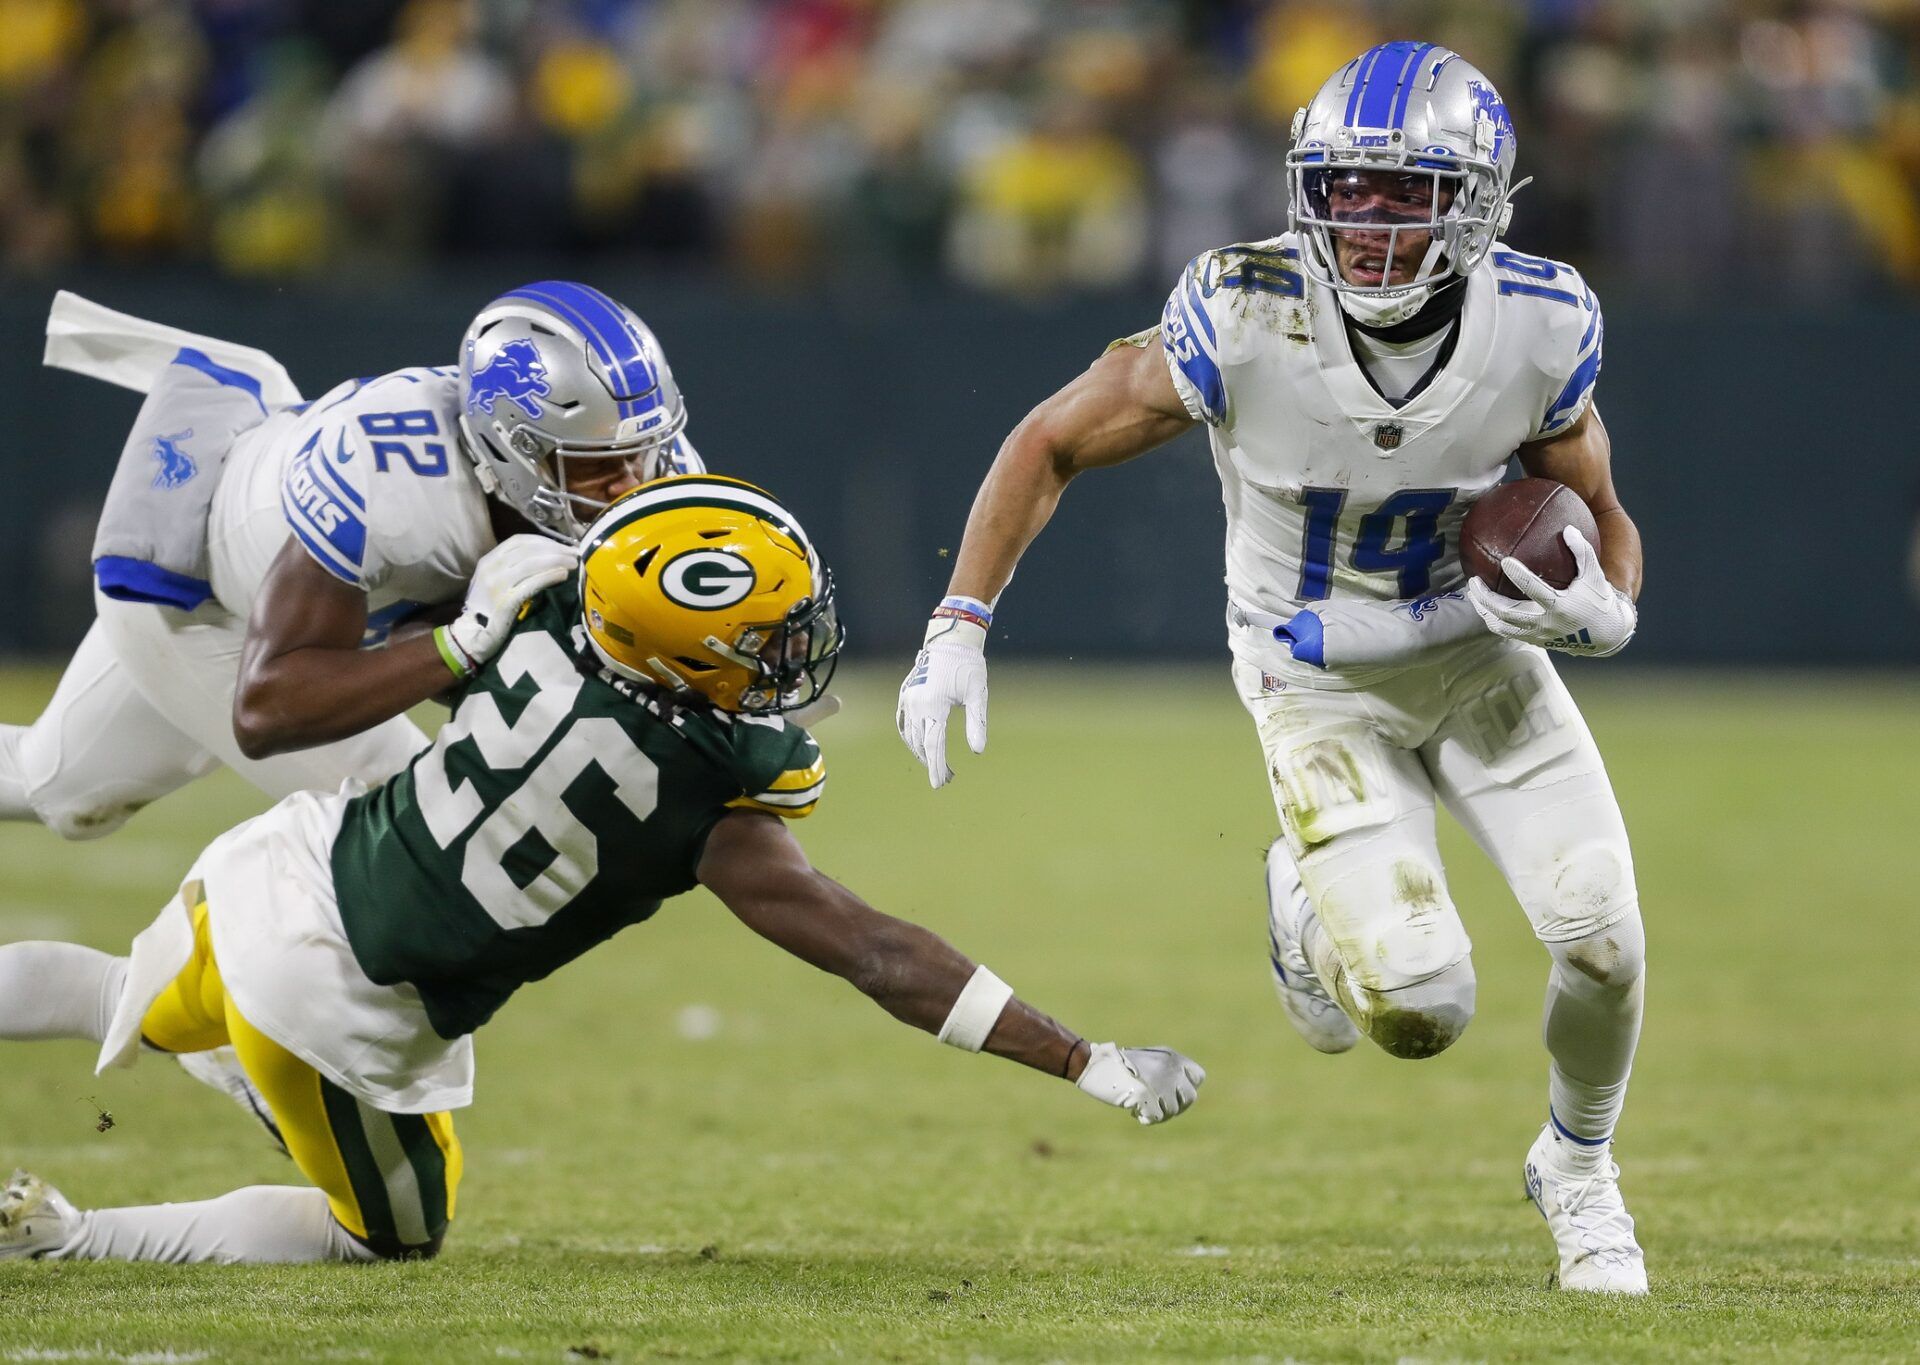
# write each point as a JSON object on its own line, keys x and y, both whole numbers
{"x": 1589, "y": 616}
{"x": 506, "y": 576}
{"x": 950, "y": 671}
{"x": 1151, "y": 1083}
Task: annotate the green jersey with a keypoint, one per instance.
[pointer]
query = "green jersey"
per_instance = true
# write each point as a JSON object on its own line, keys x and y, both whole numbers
{"x": 558, "y": 805}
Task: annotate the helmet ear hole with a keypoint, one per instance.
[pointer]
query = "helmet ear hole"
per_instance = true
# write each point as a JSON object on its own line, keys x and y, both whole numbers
{"x": 695, "y": 665}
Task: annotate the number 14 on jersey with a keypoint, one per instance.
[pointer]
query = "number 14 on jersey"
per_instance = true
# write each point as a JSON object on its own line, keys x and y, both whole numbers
{"x": 1401, "y": 536}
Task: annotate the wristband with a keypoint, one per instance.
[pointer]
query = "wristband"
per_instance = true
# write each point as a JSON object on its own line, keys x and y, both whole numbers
{"x": 965, "y": 609}
{"x": 975, "y": 1011}
{"x": 451, "y": 654}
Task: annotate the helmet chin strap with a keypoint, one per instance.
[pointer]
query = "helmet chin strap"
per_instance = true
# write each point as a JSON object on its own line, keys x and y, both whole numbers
{"x": 1385, "y": 310}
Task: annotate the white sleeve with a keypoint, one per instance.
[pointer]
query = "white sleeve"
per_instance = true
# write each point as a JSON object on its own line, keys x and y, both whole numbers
{"x": 1584, "y": 334}
{"x": 1190, "y": 340}
{"x": 323, "y": 496}
{"x": 380, "y": 494}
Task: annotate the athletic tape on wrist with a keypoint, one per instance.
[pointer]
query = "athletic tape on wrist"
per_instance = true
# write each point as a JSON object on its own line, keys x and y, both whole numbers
{"x": 975, "y": 1011}
{"x": 451, "y": 654}
{"x": 965, "y": 609}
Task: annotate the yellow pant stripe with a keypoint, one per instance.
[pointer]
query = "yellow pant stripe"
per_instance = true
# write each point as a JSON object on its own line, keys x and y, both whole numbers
{"x": 389, "y": 1178}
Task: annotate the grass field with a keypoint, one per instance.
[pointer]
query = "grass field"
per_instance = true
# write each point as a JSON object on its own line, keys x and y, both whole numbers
{"x": 689, "y": 1146}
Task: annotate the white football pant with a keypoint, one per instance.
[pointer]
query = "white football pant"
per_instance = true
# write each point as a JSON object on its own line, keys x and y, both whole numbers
{"x": 1490, "y": 730}
{"x": 146, "y": 706}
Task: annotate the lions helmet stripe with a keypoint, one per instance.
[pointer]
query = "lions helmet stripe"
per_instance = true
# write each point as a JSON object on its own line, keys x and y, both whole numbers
{"x": 608, "y": 330}
{"x": 1409, "y": 76}
{"x": 601, "y": 320}
{"x": 1363, "y": 69}
{"x": 595, "y": 338}
{"x": 1388, "y": 69}
{"x": 625, "y": 344}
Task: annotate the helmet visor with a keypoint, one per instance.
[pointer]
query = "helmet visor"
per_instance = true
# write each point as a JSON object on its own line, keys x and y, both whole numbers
{"x": 1383, "y": 227}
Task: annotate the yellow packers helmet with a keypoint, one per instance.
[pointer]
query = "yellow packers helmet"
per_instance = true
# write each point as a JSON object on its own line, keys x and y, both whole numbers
{"x": 707, "y": 587}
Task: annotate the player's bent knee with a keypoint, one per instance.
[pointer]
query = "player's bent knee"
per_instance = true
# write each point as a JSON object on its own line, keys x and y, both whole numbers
{"x": 1588, "y": 888}
{"x": 1425, "y": 1019}
{"x": 79, "y": 818}
{"x": 1409, "y": 981}
{"x": 1611, "y": 958}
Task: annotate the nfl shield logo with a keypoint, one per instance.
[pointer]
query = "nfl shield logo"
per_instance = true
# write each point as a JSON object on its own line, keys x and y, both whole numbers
{"x": 1387, "y": 435}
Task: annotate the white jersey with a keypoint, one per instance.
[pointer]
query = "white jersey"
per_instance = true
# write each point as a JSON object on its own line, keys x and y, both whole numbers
{"x": 370, "y": 479}
{"x": 1330, "y": 489}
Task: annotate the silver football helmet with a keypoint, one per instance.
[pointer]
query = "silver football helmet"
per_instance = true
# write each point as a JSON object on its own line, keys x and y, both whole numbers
{"x": 557, "y": 372}
{"x": 1407, "y": 109}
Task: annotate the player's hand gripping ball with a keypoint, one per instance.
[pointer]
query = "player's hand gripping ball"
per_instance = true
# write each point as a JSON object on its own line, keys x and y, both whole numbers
{"x": 1524, "y": 519}
{"x": 1537, "y": 577}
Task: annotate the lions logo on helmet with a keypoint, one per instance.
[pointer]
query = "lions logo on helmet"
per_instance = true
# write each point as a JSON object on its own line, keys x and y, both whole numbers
{"x": 515, "y": 372}
{"x": 707, "y": 586}
{"x": 609, "y": 396}
{"x": 1412, "y": 110}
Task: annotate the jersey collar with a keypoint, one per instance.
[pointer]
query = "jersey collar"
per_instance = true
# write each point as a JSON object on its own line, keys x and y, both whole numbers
{"x": 1451, "y": 382}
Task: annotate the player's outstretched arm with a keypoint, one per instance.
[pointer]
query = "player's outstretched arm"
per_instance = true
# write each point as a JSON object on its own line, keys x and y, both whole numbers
{"x": 305, "y": 680}
{"x": 758, "y": 870}
{"x": 1119, "y": 408}
{"x": 1123, "y": 406}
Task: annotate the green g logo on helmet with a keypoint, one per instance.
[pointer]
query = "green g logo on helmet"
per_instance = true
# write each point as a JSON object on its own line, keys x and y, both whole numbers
{"x": 707, "y": 580}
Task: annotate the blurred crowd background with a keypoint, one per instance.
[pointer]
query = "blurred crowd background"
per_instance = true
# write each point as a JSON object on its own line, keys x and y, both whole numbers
{"x": 872, "y": 233}
{"x": 1013, "y": 146}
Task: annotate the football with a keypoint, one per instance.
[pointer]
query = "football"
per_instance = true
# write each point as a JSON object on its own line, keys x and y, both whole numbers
{"x": 1524, "y": 519}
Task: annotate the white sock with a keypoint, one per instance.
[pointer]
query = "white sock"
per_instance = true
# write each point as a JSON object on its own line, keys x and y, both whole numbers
{"x": 1596, "y": 993}
{"x": 262, "y": 1224}
{"x": 58, "y": 990}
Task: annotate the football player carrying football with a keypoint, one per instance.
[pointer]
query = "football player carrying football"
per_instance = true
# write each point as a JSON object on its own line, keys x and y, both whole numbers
{"x": 1362, "y": 379}
{"x": 630, "y": 741}
{"x": 238, "y": 591}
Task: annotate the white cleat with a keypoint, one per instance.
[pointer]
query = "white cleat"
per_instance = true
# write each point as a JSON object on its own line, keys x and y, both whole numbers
{"x": 220, "y": 1068}
{"x": 1313, "y": 1013}
{"x": 35, "y": 1218}
{"x": 1580, "y": 1199}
